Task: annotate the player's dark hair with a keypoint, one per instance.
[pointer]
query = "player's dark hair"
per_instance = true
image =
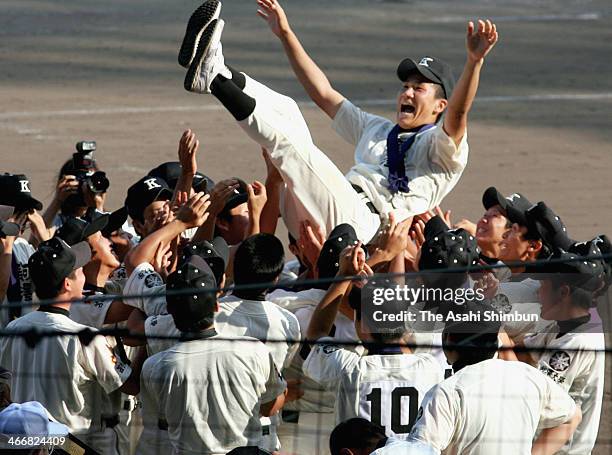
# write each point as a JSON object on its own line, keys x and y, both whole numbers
{"x": 259, "y": 259}
{"x": 580, "y": 297}
{"x": 356, "y": 433}
{"x": 439, "y": 92}
{"x": 46, "y": 292}
{"x": 471, "y": 347}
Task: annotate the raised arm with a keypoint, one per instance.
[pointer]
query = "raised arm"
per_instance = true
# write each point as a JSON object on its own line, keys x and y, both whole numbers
{"x": 478, "y": 44}
{"x": 308, "y": 73}
{"x": 192, "y": 214}
{"x": 188, "y": 147}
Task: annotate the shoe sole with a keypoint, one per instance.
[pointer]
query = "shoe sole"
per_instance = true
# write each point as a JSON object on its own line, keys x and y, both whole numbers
{"x": 199, "y": 20}
{"x": 203, "y": 46}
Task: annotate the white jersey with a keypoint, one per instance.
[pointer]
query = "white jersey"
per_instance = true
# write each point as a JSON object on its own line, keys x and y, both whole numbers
{"x": 20, "y": 287}
{"x": 318, "y": 398}
{"x": 434, "y": 163}
{"x": 572, "y": 362}
{"x": 491, "y": 407}
{"x": 262, "y": 320}
{"x": 292, "y": 301}
{"x": 160, "y": 325}
{"x": 66, "y": 376}
{"x": 386, "y": 389}
{"x": 92, "y": 314}
{"x": 147, "y": 283}
{"x": 209, "y": 393}
{"x": 519, "y": 297}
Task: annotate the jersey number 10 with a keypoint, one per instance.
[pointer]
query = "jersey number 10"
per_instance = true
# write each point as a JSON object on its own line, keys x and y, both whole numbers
{"x": 375, "y": 399}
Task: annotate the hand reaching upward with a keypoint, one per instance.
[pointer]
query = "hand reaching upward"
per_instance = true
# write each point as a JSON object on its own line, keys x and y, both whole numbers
{"x": 479, "y": 42}
{"x": 274, "y": 15}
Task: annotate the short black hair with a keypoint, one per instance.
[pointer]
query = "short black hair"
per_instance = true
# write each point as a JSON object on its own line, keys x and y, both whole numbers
{"x": 259, "y": 259}
{"x": 440, "y": 95}
{"x": 356, "y": 433}
{"x": 47, "y": 292}
{"x": 581, "y": 298}
{"x": 471, "y": 347}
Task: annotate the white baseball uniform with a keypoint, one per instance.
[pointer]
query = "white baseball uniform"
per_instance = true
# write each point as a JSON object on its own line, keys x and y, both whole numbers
{"x": 307, "y": 429}
{"x": 209, "y": 393}
{"x": 573, "y": 362}
{"x": 265, "y": 321}
{"x": 491, "y": 407}
{"x": 315, "y": 188}
{"x": 384, "y": 388}
{"x": 149, "y": 286}
{"x": 519, "y": 297}
{"x": 262, "y": 320}
{"x": 66, "y": 376}
{"x": 20, "y": 286}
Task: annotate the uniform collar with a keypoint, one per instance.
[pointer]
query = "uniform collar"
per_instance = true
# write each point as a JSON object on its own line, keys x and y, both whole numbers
{"x": 54, "y": 309}
{"x": 377, "y": 349}
{"x": 569, "y": 325}
{"x": 258, "y": 295}
{"x": 202, "y": 335}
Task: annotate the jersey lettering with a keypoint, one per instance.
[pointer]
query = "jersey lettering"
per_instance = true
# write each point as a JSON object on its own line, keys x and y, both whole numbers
{"x": 396, "y": 408}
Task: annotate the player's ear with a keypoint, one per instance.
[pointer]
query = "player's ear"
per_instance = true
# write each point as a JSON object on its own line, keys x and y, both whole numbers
{"x": 344, "y": 451}
{"x": 564, "y": 291}
{"x": 440, "y": 106}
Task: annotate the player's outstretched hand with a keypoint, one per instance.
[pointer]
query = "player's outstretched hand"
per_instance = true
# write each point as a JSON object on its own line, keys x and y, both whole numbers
{"x": 194, "y": 213}
{"x": 188, "y": 147}
{"x": 352, "y": 260}
{"x": 311, "y": 242}
{"x": 257, "y": 197}
{"x": 479, "y": 41}
{"x": 274, "y": 15}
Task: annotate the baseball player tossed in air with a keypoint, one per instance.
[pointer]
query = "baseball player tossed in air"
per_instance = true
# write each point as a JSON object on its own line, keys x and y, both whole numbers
{"x": 407, "y": 167}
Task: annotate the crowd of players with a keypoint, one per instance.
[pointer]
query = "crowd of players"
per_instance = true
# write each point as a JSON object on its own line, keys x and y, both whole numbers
{"x": 213, "y": 342}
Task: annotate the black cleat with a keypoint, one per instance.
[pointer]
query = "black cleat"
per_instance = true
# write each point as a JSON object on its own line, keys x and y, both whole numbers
{"x": 199, "y": 20}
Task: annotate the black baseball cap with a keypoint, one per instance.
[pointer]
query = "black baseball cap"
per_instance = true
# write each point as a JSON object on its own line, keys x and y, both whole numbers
{"x": 514, "y": 206}
{"x": 339, "y": 238}
{"x": 446, "y": 248}
{"x": 239, "y": 196}
{"x": 75, "y": 230}
{"x": 577, "y": 266}
{"x": 114, "y": 219}
{"x": 544, "y": 224}
{"x": 189, "y": 310}
{"x": 8, "y": 229}
{"x": 15, "y": 192}
{"x": 170, "y": 171}
{"x": 215, "y": 253}
{"x": 433, "y": 69}
{"x": 143, "y": 193}
{"x": 55, "y": 260}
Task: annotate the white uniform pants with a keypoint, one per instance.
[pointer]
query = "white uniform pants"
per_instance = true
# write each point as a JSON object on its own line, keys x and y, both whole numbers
{"x": 316, "y": 190}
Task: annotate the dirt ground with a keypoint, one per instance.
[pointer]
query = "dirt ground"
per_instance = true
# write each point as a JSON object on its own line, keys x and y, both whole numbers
{"x": 81, "y": 69}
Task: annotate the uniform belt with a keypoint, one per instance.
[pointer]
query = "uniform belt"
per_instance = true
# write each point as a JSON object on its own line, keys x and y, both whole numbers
{"x": 111, "y": 422}
{"x": 369, "y": 204}
{"x": 162, "y": 424}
